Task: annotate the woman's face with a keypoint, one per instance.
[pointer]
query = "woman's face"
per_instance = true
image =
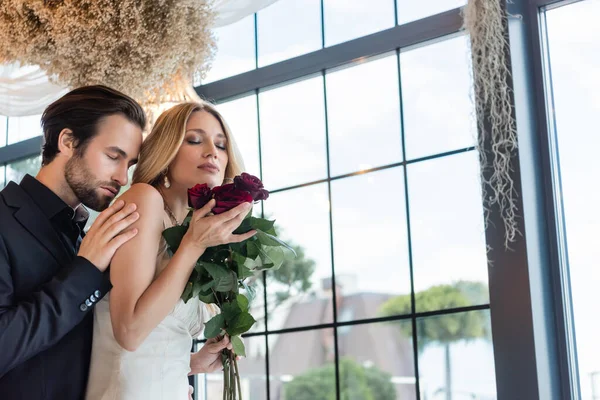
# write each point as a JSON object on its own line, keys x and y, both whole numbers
{"x": 202, "y": 157}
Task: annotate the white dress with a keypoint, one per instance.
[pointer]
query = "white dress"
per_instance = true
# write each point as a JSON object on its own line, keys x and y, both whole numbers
{"x": 158, "y": 369}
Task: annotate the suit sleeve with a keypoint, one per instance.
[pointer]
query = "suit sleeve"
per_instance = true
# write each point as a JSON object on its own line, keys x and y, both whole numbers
{"x": 30, "y": 326}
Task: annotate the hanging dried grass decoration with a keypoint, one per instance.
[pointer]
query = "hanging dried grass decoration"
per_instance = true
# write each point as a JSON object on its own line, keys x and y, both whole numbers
{"x": 484, "y": 20}
{"x": 148, "y": 49}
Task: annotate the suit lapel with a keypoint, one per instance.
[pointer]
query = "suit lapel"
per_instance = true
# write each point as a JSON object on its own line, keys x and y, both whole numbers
{"x": 31, "y": 217}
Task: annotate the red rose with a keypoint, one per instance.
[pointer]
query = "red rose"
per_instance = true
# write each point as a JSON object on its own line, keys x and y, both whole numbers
{"x": 228, "y": 197}
{"x": 199, "y": 195}
{"x": 252, "y": 185}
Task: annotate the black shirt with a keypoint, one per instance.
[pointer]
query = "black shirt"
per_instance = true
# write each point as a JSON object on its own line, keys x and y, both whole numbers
{"x": 68, "y": 223}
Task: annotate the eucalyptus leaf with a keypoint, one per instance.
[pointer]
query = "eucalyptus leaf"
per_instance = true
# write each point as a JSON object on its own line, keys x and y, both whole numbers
{"x": 214, "y": 326}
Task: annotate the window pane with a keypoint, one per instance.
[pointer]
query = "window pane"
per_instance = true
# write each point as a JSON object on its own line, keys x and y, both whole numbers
{"x": 447, "y": 231}
{"x": 242, "y": 118}
{"x": 301, "y": 365}
{"x": 287, "y": 29}
{"x": 236, "y": 50}
{"x": 363, "y": 111}
{"x": 349, "y": 19}
{"x": 410, "y": 10}
{"x": 370, "y": 240}
{"x": 3, "y": 120}
{"x": 16, "y": 171}
{"x": 292, "y": 128}
{"x": 2, "y": 173}
{"x": 456, "y": 356}
{"x": 573, "y": 33}
{"x": 21, "y": 128}
{"x": 376, "y": 360}
{"x": 436, "y": 94}
{"x": 299, "y": 293}
{"x": 252, "y": 374}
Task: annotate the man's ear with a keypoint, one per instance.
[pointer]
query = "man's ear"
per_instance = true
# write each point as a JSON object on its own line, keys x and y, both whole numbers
{"x": 66, "y": 142}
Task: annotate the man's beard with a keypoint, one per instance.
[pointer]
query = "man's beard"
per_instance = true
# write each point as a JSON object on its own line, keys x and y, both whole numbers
{"x": 84, "y": 184}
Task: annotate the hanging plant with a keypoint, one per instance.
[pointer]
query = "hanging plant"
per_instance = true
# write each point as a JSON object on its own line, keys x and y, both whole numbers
{"x": 148, "y": 49}
{"x": 485, "y": 21}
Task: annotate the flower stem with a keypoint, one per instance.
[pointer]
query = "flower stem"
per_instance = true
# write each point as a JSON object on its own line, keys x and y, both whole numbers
{"x": 231, "y": 378}
{"x": 225, "y": 379}
{"x": 237, "y": 377}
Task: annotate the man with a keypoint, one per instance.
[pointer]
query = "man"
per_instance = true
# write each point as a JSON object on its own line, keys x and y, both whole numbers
{"x": 50, "y": 274}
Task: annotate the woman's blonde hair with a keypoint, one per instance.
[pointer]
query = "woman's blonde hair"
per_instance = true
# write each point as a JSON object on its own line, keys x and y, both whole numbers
{"x": 162, "y": 144}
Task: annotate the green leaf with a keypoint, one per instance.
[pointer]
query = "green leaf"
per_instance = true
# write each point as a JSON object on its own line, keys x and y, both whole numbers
{"x": 241, "y": 324}
{"x": 230, "y": 311}
{"x": 174, "y": 235}
{"x": 226, "y": 283}
{"x": 270, "y": 240}
{"x": 197, "y": 288}
{"x": 238, "y": 258}
{"x": 238, "y": 346}
{"x": 244, "y": 227}
{"x": 250, "y": 291}
{"x": 262, "y": 224}
{"x": 187, "y": 292}
{"x": 207, "y": 286}
{"x": 244, "y": 272}
{"x": 243, "y": 302}
{"x": 215, "y": 270}
{"x": 213, "y": 327}
{"x": 252, "y": 249}
{"x": 207, "y": 298}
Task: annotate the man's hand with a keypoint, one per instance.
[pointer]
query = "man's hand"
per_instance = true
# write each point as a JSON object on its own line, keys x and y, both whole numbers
{"x": 108, "y": 233}
{"x": 208, "y": 359}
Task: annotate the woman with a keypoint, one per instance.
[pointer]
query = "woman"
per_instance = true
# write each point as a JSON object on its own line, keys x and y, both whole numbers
{"x": 143, "y": 331}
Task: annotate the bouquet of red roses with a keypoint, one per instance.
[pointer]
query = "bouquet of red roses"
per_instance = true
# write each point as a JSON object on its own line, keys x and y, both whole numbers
{"x": 220, "y": 272}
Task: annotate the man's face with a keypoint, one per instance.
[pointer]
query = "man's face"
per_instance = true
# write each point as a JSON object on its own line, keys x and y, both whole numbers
{"x": 97, "y": 173}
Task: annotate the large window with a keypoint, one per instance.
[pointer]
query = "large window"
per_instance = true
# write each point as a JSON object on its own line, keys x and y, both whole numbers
{"x": 574, "y": 62}
{"x": 390, "y": 285}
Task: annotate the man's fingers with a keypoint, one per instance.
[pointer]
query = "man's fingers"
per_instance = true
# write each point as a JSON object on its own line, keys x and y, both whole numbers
{"x": 121, "y": 239}
{"x": 104, "y": 215}
{"x": 121, "y": 225}
{"x": 126, "y": 211}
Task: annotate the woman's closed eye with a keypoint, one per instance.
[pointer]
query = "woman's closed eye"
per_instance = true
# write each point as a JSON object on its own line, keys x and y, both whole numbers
{"x": 197, "y": 141}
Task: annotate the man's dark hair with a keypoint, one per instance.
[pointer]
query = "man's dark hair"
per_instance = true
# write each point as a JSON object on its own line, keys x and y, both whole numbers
{"x": 80, "y": 110}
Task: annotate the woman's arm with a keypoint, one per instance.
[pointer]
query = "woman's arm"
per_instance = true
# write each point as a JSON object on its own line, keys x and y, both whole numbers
{"x": 137, "y": 302}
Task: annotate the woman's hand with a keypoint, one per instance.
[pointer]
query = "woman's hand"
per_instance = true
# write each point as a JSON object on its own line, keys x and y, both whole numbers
{"x": 209, "y": 231}
{"x": 208, "y": 359}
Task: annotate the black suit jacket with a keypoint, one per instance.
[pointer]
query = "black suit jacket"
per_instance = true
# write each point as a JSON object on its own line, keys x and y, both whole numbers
{"x": 46, "y": 297}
